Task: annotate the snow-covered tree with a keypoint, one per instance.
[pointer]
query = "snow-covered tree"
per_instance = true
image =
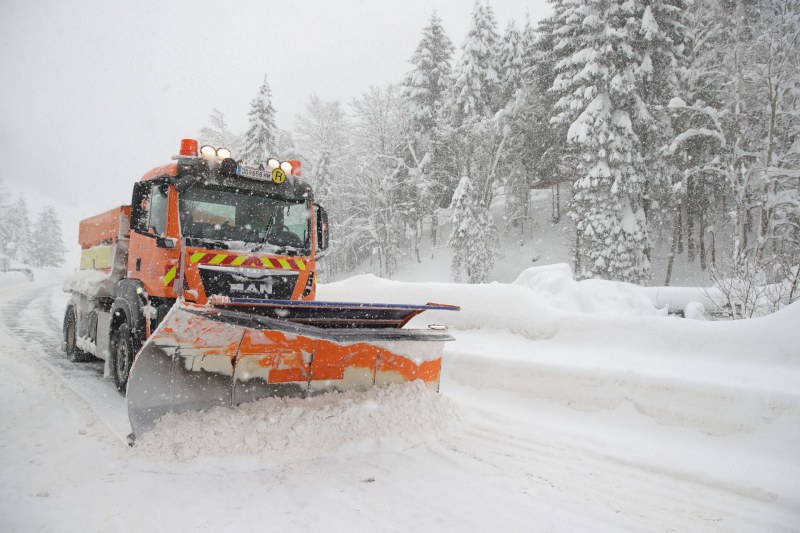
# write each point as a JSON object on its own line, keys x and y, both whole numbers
{"x": 47, "y": 244}
{"x": 5, "y": 229}
{"x": 480, "y": 136}
{"x": 598, "y": 85}
{"x": 511, "y": 57}
{"x": 18, "y": 231}
{"x": 774, "y": 83}
{"x": 475, "y": 93}
{"x": 759, "y": 90}
{"x": 692, "y": 157}
{"x": 425, "y": 91}
{"x": 285, "y": 147}
{"x": 218, "y": 134}
{"x": 539, "y": 145}
{"x": 261, "y": 137}
{"x": 425, "y": 87}
{"x": 473, "y": 236}
{"x": 368, "y": 207}
{"x": 322, "y": 137}
{"x": 322, "y": 128}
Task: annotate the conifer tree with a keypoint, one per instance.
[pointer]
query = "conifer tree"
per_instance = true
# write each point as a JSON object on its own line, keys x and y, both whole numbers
{"x": 480, "y": 138}
{"x": 476, "y": 78}
{"x": 510, "y": 61}
{"x": 472, "y": 236}
{"x": 5, "y": 229}
{"x": 18, "y": 229}
{"x": 425, "y": 87}
{"x": 47, "y": 244}
{"x": 260, "y": 139}
{"x": 599, "y": 84}
{"x": 547, "y": 157}
{"x": 425, "y": 92}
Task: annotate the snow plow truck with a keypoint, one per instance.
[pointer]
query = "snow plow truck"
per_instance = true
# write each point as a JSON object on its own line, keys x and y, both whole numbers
{"x": 201, "y": 293}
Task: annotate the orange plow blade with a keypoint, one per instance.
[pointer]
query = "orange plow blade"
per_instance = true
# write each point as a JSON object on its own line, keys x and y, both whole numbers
{"x": 205, "y": 356}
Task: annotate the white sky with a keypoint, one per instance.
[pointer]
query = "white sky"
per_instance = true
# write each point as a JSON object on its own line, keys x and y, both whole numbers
{"x": 96, "y": 92}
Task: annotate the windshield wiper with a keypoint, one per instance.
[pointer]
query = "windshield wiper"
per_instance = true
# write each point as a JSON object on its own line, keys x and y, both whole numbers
{"x": 205, "y": 241}
{"x": 270, "y": 223}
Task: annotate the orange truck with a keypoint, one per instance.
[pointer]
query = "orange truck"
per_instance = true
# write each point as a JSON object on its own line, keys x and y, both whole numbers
{"x": 201, "y": 293}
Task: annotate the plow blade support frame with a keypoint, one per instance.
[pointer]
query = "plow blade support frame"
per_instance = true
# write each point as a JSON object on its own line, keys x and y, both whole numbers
{"x": 202, "y": 357}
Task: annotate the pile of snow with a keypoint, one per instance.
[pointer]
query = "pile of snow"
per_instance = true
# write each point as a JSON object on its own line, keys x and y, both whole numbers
{"x": 694, "y": 311}
{"x": 91, "y": 283}
{"x": 285, "y": 430}
{"x": 534, "y": 306}
{"x": 555, "y": 285}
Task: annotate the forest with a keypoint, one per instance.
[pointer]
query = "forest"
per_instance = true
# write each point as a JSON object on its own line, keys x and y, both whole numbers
{"x": 38, "y": 243}
{"x": 654, "y": 124}
{"x": 650, "y": 120}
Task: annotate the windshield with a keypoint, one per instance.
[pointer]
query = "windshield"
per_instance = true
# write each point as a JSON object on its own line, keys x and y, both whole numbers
{"x": 246, "y": 220}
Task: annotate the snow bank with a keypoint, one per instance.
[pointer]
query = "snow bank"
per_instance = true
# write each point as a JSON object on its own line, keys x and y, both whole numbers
{"x": 682, "y": 298}
{"x": 602, "y": 344}
{"x": 535, "y": 305}
{"x": 286, "y": 430}
{"x": 716, "y": 377}
{"x": 665, "y": 387}
{"x": 556, "y": 286}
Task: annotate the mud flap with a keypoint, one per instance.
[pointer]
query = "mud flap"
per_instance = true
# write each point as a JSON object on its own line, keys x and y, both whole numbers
{"x": 202, "y": 357}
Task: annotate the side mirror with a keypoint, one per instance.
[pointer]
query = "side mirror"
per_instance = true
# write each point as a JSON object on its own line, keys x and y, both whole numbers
{"x": 138, "y": 207}
{"x": 322, "y": 229}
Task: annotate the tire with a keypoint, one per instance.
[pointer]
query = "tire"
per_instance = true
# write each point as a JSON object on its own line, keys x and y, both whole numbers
{"x": 74, "y": 354}
{"x": 123, "y": 351}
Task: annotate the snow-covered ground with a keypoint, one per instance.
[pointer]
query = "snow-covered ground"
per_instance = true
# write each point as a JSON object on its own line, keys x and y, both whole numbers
{"x": 564, "y": 406}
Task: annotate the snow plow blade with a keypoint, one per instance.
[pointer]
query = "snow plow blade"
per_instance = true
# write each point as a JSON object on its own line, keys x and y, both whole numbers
{"x": 240, "y": 350}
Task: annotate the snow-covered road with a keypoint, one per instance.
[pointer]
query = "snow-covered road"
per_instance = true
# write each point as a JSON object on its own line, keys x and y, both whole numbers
{"x": 558, "y": 432}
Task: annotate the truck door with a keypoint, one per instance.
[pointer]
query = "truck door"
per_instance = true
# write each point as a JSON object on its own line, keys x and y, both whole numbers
{"x": 154, "y": 253}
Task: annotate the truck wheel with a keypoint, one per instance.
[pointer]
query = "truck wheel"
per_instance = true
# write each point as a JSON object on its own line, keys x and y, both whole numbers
{"x": 122, "y": 353}
{"x": 74, "y": 354}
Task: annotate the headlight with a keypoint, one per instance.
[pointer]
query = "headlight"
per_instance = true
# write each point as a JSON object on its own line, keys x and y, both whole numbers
{"x": 223, "y": 153}
{"x": 286, "y": 167}
{"x": 208, "y": 151}
{"x": 273, "y": 163}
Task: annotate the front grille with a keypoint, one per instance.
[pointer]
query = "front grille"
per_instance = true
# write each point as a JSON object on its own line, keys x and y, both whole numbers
{"x": 229, "y": 283}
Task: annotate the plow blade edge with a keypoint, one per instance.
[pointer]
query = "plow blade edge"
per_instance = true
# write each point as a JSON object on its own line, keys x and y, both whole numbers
{"x": 202, "y": 357}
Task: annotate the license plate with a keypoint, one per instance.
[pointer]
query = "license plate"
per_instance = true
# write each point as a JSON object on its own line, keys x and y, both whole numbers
{"x": 253, "y": 173}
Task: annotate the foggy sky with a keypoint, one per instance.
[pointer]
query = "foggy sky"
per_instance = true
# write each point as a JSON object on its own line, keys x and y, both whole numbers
{"x": 95, "y": 93}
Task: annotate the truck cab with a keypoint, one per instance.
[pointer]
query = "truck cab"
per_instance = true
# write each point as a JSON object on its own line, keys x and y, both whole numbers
{"x": 200, "y": 228}
{"x": 210, "y": 227}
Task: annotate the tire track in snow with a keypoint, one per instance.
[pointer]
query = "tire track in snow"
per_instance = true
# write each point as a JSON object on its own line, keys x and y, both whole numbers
{"x": 28, "y": 317}
{"x": 585, "y": 478}
{"x": 602, "y": 460}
